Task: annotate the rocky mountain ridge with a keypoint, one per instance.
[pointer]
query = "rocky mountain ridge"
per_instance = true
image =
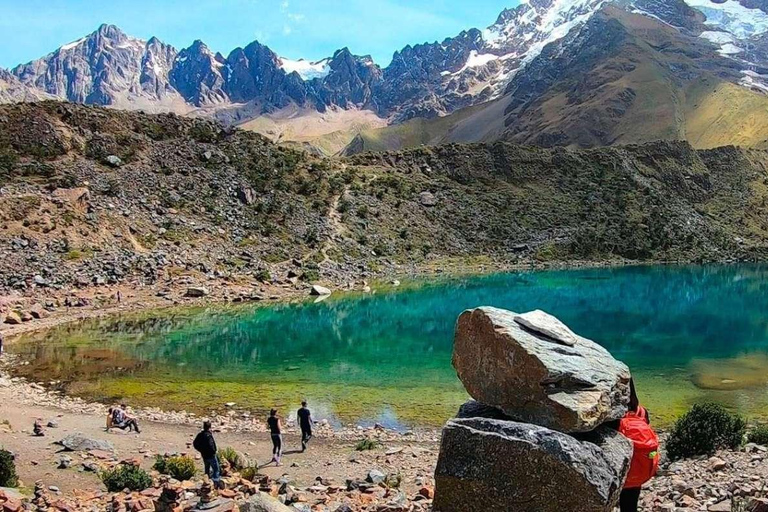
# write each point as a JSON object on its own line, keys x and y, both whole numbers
{"x": 427, "y": 80}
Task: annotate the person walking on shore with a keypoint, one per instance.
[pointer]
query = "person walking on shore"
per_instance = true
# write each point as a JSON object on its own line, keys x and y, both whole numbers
{"x": 304, "y": 418}
{"x": 273, "y": 422}
{"x": 206, "y": 445}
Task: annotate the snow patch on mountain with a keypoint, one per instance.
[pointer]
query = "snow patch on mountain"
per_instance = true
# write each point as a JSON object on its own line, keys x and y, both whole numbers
{"x": 527, "y": 29}
{"x": 718, "y": 37}
{"x": 729, "y": 49}
{"x": 754, "y": 80}
{"x": 479, "y": 59}
{"x": 306, "y": 70}
{"x": 733, "y": 17}
{"x": 73, "y": 44}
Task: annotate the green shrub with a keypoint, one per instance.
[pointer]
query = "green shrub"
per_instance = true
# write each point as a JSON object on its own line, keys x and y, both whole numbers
{"x": 758, "y": 435}
{"x": 126, "y": 477}
{"x": 310, "y": 275}
{"x": 233, "y": 457}
{"x": 393, "y": 480}
{"x": 263, "y": 275}
{"x": 703, "y": 430}
{"x": 367, "y": 444}
{"x": 250, "y": 472}
{"x": 179, "y": 467}
{"x": 8, "y": 159}
{"x": 8, "y": 476}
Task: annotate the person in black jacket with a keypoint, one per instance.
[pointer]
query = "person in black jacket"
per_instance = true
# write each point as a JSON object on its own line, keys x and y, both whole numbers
{"x": 305, "y": 422}
{"x": 206, "y": 445}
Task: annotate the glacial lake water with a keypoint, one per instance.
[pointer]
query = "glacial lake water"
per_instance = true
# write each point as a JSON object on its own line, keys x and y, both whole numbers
{"x": 689, "y": 333}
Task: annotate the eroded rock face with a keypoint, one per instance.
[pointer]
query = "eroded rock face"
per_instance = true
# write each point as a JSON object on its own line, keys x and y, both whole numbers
{"x": 536, "y": 379}
{"x": 490, "y": 464}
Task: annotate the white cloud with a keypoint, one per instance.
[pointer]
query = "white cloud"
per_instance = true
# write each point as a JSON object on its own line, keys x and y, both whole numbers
{"x": 291, "y": 17}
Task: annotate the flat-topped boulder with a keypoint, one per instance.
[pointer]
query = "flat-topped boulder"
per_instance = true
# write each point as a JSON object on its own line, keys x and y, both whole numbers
{"x": 491, "y": 464}
{"x": 78, "y": 442}
{"x": 571, "y": 386}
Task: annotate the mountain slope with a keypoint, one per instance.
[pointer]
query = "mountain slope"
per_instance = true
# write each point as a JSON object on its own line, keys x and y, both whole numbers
{"x": 107, "y": 67}
{"x": 620, "y": 78}
{"x": 547, "y": 72}
{"x": 190, "y": 198}
{"x": 13, "y": 91}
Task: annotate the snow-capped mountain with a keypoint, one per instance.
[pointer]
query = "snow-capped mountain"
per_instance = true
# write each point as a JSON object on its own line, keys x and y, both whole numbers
{"x": 109, "y": 67}
{"x": 106, "y": 67}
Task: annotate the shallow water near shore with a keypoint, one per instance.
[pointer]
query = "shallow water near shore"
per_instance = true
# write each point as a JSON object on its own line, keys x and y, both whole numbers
{"x": 689, "y": 333}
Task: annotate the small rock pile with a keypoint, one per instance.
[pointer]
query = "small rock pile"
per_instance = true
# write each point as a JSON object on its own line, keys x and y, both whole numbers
{"x": 535, "y": 438}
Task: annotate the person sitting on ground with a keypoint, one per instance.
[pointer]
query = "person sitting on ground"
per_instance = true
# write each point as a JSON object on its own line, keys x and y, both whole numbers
{"x": 122, "y": 420}
{"x": 109, "y": 418}
{"x": 206, "y": 445}
{"x": 277, "y": 439}
{"x": 304, "y": 417}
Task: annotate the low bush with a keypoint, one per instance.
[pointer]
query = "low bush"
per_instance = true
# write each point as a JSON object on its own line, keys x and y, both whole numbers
{"x": 233, "y": 457}
{"x": 758, "y": 435}
{"x": 703, "y": 430}
{"x": 179, "y": 467}
{"x": 126, "y": 477}
{"x": 263, "y": 275}
{"x": 8, "y": 476}
{"x": 393, "y": 480}
{"x": 250, "y": 472}
{"x": 366, "y": 445}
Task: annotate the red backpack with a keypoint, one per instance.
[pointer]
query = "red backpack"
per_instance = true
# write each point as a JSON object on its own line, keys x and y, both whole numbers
{"x": 645, "y": 458}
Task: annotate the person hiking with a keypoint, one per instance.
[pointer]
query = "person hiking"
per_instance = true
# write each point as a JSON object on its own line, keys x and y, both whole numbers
{"x": 304, "y": 418}
{"x": 636, "y": 426}
{"x": 206, "y": 445}
{"x": 273, "y": 422}
{"x": 122, "y": 420}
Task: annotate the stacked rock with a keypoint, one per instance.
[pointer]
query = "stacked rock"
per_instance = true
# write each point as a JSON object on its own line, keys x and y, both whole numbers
{"x": 534, "y": 437}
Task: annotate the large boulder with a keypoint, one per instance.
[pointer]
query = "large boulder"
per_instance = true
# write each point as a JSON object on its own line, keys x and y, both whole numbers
{"x": 570, "y": 384}
{"x": 13, "y": 318}
{"x": 263, "y": 502}
{"x": 319, "y": 290}
{"x": 197, "y": 292}
{"x": 491, "y": 464}
{"x": 81, "y": 443}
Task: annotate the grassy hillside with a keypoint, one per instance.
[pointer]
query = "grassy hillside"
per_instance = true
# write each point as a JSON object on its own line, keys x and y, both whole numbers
{"x": 627, "y": 79}
{"x": 327, "y": 133}
{"x": 187, "y": 195}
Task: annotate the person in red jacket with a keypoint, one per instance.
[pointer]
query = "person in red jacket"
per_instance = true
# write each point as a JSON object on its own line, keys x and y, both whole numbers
{"x": 636, "y": 426}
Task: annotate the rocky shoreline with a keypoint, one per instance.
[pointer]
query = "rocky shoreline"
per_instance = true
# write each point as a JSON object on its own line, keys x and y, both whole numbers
{"x": 41, "y": 307}
{"x": 721, "y": 482}
{"x": 236, "y": 421}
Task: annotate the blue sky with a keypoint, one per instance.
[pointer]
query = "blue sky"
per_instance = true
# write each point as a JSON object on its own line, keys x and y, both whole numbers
{"x": 311, "y": 29}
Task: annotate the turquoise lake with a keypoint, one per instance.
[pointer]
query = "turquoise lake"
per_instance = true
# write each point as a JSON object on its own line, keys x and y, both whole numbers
{"x": 689, "y": 333}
